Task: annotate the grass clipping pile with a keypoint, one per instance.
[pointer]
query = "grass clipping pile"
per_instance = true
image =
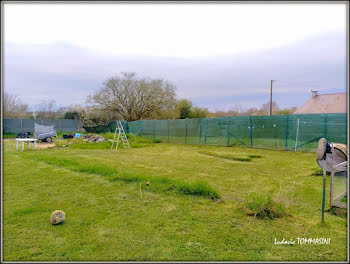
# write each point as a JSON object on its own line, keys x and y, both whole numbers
{"x": 94, "y": 138}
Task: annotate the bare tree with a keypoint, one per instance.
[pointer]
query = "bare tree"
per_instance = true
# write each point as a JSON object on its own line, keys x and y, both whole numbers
{"x": 265, "y": 108}
{"x": 46, "y": 109}
{"x": 132, "y": 98}
{"x": 235, "y": 110}
{"x": 13, "y": 106}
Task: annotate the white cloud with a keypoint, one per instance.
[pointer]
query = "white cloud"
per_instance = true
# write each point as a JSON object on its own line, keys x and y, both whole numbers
{"x": 178, "y": 30}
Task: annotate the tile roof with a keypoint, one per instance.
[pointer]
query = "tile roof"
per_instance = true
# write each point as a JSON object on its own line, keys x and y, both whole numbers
{"x": 324, "y": 103}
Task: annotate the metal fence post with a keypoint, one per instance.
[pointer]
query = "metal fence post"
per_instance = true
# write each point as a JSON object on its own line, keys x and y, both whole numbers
{"x": 286, "y": 138}
{"x": 251, "y": 130}
{"x": 168, "y": 130}
{"x": 324, "y": 187}
{"x": 297, "y": 136}
{"x": 186, "y": 131}
{"x": 154, "y": 129}
{"x": 206, "y": 131}
{"x": 199, "y": 131}
{"x": 228, "y": 132}
{"x": 325, "y": 131}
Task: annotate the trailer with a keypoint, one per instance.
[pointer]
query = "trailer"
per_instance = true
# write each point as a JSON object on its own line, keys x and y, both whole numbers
{"x": 44, "y": 133}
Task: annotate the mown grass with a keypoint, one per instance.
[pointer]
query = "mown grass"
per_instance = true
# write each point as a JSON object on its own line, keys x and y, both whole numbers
{"x": 108, "y": 220}
{"x": 9, "y": 135}
{"x": 229, "y": 156}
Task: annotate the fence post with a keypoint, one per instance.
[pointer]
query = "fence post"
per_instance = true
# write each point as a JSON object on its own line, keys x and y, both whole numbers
{"x": 22, "y": 125}
{"x": 186, "y": 131}
{"x": 297, "y": 136}
{"x": 251, "y": 130}
{"x": 286, "y": 140}
{"x": 228, "y": 132}
{"x": 325, "y": 132}
{"x": 206, "y": 131}
{"x": 168, "y": 130}
{"x": 154, "y": 129}
{"x": 199, "y": 131}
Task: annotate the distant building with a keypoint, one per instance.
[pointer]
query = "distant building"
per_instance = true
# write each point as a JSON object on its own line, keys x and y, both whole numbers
{"x": 323, "y": 104}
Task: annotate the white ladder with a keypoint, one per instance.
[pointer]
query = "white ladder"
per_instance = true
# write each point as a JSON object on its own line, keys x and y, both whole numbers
{"x": 121, "y": 135}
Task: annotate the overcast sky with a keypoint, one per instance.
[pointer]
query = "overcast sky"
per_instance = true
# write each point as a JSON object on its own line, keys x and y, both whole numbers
{"x": 217, "y": 55}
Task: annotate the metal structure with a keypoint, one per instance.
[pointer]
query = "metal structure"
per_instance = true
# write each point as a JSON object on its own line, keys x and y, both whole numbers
{"x": 121, "y": 136}
{"x": 336, "y": 167}
{"x": 334, "y": 162}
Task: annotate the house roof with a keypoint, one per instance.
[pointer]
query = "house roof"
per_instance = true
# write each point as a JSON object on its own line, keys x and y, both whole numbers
{"x": 324, "y": 103}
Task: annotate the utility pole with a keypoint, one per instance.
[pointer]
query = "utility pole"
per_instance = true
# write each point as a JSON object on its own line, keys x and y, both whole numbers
{"x": 271, "y": 99}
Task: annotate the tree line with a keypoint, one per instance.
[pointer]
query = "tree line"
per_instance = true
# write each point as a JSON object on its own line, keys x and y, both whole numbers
{"x": 127, "y": 97}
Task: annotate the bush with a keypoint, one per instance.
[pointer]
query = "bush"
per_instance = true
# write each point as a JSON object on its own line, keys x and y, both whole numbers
{"x": 263, "y": 206}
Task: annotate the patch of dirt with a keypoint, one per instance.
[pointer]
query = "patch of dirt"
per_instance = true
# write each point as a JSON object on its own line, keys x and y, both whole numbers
{"x": 169, "y": 208}
{"x": 94, "y": 138}
{"x": 44, "y": 145}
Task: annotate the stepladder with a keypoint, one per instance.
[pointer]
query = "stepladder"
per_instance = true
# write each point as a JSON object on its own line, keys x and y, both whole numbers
{"x": 119, "y": 135}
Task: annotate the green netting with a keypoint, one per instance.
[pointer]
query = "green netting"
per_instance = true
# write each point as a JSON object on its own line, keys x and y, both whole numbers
{"x": 27, "y": 125}
{"x": 288, "y": 132}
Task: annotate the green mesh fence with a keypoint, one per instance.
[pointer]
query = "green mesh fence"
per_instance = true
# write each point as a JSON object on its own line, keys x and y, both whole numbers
{"x": 27, "y": 125}
{"x": 289, "y": 132}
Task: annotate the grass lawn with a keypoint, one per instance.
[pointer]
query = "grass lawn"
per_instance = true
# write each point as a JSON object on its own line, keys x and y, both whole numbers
{"x": 195, "y": 207}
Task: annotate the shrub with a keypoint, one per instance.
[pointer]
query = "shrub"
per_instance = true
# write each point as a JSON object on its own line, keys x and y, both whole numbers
{"x": 263, "y": 206}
